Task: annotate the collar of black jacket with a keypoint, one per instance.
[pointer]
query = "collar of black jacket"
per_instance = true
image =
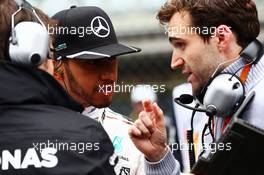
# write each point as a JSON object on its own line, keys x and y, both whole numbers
{"x": 21, "y": 85}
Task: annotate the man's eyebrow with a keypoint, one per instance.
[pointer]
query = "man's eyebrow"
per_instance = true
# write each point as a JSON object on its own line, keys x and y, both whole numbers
{"x": 171, "y": 39}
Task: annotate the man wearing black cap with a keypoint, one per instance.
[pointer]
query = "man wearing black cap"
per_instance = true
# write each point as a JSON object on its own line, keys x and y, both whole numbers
{"x": 85, "y": 50}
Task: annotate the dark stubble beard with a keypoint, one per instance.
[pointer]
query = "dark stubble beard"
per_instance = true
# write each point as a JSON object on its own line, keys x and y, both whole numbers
{"x": 75, "y": 88}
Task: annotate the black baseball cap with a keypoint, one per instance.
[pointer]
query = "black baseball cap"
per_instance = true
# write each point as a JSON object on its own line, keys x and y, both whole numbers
{"x": 86, "y": 33}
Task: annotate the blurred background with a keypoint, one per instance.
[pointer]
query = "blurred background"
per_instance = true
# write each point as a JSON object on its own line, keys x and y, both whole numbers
{"x": 135, "y": 24}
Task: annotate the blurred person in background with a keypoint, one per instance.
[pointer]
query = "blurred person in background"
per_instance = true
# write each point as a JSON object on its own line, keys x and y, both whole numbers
{"x": 182, "y": 118}
{"x": 139, "y": 93}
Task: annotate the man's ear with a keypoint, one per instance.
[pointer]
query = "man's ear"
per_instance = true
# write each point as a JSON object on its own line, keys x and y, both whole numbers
{"x": 224, "y": 37}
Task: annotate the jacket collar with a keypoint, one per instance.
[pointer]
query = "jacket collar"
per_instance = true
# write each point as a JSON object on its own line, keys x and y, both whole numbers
{"x": 22, "y": 85}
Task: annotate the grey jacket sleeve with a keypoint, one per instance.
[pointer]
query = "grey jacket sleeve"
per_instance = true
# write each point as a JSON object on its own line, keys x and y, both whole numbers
{"x": 168, "y": 165}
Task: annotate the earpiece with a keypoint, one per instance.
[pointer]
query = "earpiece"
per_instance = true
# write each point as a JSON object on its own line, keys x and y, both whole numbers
{"x": 29, "y": 41}
{"x": 224, "y": 94}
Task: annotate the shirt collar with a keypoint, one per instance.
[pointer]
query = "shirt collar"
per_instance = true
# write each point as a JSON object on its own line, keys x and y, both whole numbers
{"x": 89, "y": 110}
{"x": 255, "y": 75}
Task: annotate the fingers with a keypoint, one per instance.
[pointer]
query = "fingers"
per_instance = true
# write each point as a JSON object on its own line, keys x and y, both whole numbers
{"x": 134, "y": 131}
{"x": 141, "y": 126}
{"x": 159, "y": 117}
{"x": 147, "y": 105}
{"x": 155, "y": 115}
{"x": 146, "y": 120}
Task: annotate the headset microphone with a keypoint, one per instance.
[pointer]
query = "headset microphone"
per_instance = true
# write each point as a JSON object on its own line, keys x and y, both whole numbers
{"x": 187, "y": 99}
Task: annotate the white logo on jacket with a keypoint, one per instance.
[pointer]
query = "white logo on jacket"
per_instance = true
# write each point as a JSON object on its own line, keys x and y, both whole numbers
{"x": 20, "y": 160}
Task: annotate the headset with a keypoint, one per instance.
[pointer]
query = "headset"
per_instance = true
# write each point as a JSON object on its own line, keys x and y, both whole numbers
{"x": 221, "y": 96}
{"x": 224, "y": 92}
{"x": 29, "y": 41}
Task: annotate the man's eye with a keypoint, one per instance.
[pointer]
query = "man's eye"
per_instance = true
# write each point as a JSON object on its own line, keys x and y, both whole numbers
{"x": 91, "y": 62}
{"x": 96, "y": 62}
{"x": 179, "y": 45}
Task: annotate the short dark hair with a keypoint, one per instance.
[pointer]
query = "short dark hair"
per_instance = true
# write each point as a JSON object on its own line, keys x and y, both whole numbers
{"x": 240, "y": 15}
{"x": 7, "y": 8}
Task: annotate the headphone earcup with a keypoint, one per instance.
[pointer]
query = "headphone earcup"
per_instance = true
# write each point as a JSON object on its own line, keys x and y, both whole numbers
{"x": 31, "y": 43}
{"x": 225, "y": 93}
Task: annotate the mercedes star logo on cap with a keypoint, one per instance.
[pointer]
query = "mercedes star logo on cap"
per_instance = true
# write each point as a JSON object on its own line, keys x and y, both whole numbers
{"x": 100, "y": 27}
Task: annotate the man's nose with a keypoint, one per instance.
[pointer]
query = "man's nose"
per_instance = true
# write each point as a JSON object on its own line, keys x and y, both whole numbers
{"x": 109, "y": 73}
{"x": 176, "y": 60}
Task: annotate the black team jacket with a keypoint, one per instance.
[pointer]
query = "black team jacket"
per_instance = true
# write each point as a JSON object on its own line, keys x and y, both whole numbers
{"x": 42, "y": 130}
